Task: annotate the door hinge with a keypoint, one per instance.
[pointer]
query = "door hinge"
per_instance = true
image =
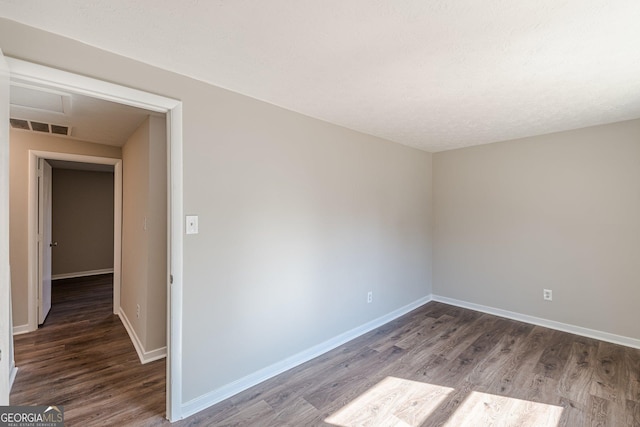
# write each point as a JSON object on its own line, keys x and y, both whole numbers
{"x": 171, "y": 279}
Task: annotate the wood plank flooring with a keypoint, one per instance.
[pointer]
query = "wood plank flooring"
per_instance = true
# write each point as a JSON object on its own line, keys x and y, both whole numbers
{"x": 436, "y": 366}
{"x": 447, "y": 366}
{"x": 83, "y": 359}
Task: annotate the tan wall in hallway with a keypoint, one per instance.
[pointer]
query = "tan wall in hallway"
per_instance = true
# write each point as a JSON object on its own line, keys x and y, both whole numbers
{"x": 135, "y": 244}
{"x": 157, "y": 284}
{"x": 20, "y": 144}
{"x": 144, "y": 231}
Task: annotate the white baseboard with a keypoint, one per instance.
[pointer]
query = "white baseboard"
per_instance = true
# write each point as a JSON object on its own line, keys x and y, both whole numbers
{"x": 209, "y": 399}
{"x": 21, "y": 329}
{"x": 551, "y": 324}
{"x": 81, "y": 274}
{"x": 12, "y": 376}
{"x": 157, "y": 354}
{"x": 143, "y": 355}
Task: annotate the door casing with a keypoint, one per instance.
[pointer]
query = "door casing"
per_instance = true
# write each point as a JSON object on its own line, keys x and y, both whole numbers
{"x": 7, "y": 363}
{"x": 44, "y": 240}
{"x": 33, "y": 73}
{"x": 33, "y": 218}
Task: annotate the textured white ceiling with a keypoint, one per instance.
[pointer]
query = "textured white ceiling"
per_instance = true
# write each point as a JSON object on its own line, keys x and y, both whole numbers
{"x": 434, "y": 74}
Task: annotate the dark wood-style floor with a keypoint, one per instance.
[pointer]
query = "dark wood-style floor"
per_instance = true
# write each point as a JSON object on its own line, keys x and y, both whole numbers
{"x": 437, "y": 366}
{"x": 82, "y": 358}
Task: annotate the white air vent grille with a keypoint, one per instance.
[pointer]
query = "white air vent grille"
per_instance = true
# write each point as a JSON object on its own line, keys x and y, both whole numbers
{"x": 40, "y": 127}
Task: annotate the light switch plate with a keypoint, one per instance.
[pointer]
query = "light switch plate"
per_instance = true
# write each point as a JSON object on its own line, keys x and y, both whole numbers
{"x": 192, "y": 224}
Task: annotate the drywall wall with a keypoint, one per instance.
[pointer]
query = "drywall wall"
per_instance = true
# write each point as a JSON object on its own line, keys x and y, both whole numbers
{"x": 157, "y": 231}
{"x": 82, "y": 221}
{"x": 135, "y": 245}
{"x": 559, "y": 211}
{"x": 298, "y": 219}
{"x": 20, "y": 144}
{"x": 144, "y": 233}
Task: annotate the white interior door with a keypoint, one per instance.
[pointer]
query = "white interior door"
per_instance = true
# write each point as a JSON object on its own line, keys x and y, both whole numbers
{"x": 45, "y": 242}
{"x": 6, "y": 328}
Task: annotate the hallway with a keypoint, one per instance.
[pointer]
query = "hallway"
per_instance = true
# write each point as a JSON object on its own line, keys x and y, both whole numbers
{"x": 83, "y": 359}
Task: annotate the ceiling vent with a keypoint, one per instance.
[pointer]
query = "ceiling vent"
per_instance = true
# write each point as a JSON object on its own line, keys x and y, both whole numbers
{"x": 40, "y": 127}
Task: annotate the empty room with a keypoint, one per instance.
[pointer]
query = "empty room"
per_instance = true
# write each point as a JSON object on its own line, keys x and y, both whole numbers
{"x": 408, "y": 213}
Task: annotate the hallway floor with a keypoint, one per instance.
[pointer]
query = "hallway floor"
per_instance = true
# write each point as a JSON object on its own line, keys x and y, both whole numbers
{"x": 82, "y": 358}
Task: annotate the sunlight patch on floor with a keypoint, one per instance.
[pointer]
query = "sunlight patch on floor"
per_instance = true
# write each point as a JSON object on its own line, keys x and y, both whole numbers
{"x": 396, "y": 402}
{"x": 484, "y": 409}
{"x": 392, "y": 402}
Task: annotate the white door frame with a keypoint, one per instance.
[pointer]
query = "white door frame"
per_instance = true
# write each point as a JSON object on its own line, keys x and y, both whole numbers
{"x": 45, "y": 216}
{"x": 33, "y": 219}
{"x": 7, "y": 363}
{"x": 30, "y": 72}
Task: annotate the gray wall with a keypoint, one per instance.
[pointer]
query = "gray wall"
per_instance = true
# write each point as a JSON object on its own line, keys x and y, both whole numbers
{"x": 82, "y": 221}
{"x": 144, "y": 232}
{"x": 298, "y": 218}
{"x": 559, "y": 211}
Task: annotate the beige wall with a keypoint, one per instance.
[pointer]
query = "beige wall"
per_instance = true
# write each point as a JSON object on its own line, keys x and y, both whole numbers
{"x": 144, "y": 231}
{"x": 20, "y": 144}
{"x": 82, "y": 221}
{"x": 559, "y": 211}
{"x": 298, "y": 218}
{"x": 135, "y": 245}
{"x": 157, "y": 225}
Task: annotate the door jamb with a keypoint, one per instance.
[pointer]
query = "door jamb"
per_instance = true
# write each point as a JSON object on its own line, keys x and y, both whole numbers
{"x": 34, "y": 73}
{"x": 32, "y": 218}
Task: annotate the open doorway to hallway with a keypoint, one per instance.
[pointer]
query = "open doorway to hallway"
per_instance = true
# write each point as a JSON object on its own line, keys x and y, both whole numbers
{"x": 171, "y": 109}
{"x": 139, "y": 244}
{"x": 76, "y": 223}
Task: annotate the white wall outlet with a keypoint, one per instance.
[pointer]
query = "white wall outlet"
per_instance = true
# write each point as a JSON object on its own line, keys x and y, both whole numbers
{"x": 138, "y": 311}
{"x": 547, "y": 294}
{"x": 369, "y": 297}
{"x": 191, "y": 224}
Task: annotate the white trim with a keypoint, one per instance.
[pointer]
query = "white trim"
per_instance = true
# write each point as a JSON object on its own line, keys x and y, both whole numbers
{"x": 551, "y": 324}
{"x": 209, "y": 399}
{"x": 81, "y": 274}
{"x": 117, "y": 235}
{"x": 21, "y": 329}
{"x": 202, "y": 402}
{"x": 62, "y": 80}
{"x": 12, "y": 376}
{"x": 175, "y": 266}
{"x": 144, "y": 355}
{"x": 32, "y": 218}
{"x": 6, "y": 341}
{"x": 69, "y": 82}
{"x": 157, "y": 354}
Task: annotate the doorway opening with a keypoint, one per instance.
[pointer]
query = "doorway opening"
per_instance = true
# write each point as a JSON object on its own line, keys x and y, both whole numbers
{"x": 76, "y": 224}
{"x": 68, "y": 82}
{"x": 40, "y": 237}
